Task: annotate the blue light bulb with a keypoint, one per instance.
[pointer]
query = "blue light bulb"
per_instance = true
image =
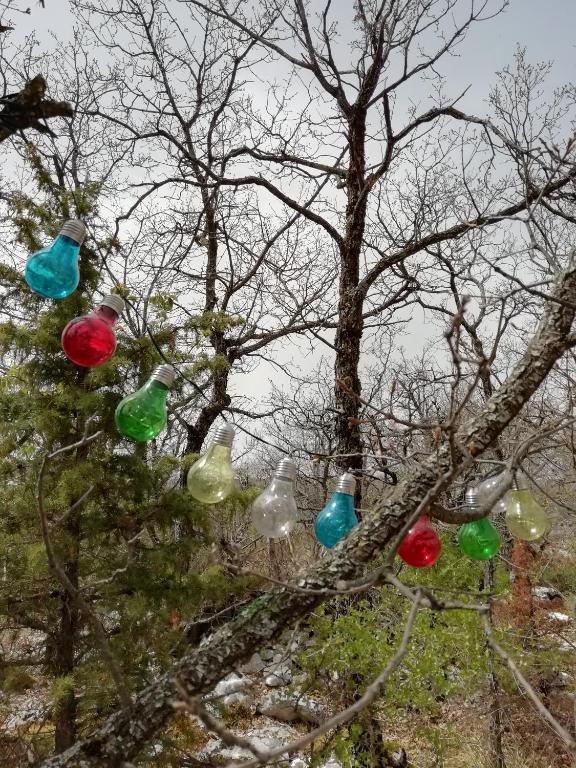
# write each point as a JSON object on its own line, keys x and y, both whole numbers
{"x": 53, "y": 272}
{"x": 337, "y": 518}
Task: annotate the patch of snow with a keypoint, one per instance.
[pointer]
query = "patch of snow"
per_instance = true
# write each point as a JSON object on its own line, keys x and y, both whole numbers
{"x": 557, "y": 616}
{"x": 268, "y": 737}
{"x": 545, "y": 593}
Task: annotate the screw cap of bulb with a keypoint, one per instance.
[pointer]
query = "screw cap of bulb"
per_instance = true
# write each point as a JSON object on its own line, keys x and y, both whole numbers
{"x": 346, "y": 484}
{"x": 224, "y": 435}
{"x": 165, "y": 374}
{"x": 472, "y": 502}
{"x": 75, "y": 230}
{"x": 115, "y": 302}
{"x": 286, "y": 470}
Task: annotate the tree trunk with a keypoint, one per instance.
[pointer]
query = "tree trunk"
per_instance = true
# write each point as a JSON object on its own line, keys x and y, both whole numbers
{"x": 350, "y": 303}
{"x": 495, "y": 752}
{"x": 64, "y": 641}
{"x": 220, "y": 398}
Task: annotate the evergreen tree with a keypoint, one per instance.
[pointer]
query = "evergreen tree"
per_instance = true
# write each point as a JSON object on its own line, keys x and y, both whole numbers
{"x": 118, "y": 545}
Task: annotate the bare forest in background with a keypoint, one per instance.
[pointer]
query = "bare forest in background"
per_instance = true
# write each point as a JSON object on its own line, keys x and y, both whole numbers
{"x": 290, "y": 197}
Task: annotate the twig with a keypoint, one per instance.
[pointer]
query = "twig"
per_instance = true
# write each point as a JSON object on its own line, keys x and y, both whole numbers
{"x": 370, "y": 695}
{"x": 382, "y": 575}
{"x": 194, "y": 707}
{"x": 542, "y": 709}
{"x": 58, "y": 570}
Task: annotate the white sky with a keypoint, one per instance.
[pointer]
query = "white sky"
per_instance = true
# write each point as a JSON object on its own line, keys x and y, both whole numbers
{"x": 544, "y": 27}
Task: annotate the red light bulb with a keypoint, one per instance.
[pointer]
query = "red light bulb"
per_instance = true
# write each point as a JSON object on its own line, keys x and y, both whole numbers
{"x": 90, "y": 340}
{"x": 421, "y": 546}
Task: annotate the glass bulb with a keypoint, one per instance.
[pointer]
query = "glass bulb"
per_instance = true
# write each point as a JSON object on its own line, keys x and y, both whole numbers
{"x": 421, "y": 546}
{"x": 274, "y": 512}
{"x": 479, "y": 540}
{"x": 525, "y": 518}
{"x": 337, "y": 519}
{"x": 90, "y": 340}
{"x": 487, "y": 488}
{"x": 142, "y": 415}
{"x": 211, "y": 478}
{"x": 53, "y": 272}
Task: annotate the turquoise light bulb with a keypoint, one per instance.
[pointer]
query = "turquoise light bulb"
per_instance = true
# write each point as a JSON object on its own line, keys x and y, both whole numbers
{"x": 525, "y": 518}
{"x": 53, "y": 272}
{"x": 142, "y": 415}
{"x": 211, "y": 478}
{"x": 337, "y": 518}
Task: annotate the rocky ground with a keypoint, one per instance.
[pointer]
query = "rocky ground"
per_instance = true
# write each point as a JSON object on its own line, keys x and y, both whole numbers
{"x": 266, "y": 703}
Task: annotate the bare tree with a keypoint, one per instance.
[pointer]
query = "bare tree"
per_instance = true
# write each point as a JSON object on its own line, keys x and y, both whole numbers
{"x": 240, "y": 227}
{"x": 348, "y": 567}
{"x": 404, "y": 188}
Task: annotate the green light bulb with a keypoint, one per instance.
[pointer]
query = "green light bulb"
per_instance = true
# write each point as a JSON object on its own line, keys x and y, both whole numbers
{"x": 142, "y": 415}
{"x": 211, "y": 478}
{"x": 478, "y": 539}
{"x": 525, "y": 518}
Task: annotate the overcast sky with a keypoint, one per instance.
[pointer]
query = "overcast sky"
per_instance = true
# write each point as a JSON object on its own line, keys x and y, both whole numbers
{"x": 546, "y": 28}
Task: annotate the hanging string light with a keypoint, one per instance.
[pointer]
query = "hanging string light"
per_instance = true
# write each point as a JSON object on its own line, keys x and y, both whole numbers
{"x": 337, "y": 519}
{"x": 487, "y": 488}
{"x": 525, "y": 518}
{"x": 211, "y": 478}
{"x": 142, "y": 415}
{"x": 53, "y": 272}
{"x": 479, "y": 539}
{"x": 421, "y": 546}
{"x": 90, "y": 340}
{"x": 274, "y": 512}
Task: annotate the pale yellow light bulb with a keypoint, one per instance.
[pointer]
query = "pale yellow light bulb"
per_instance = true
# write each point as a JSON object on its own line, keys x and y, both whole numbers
{"x": 525, "y": 518}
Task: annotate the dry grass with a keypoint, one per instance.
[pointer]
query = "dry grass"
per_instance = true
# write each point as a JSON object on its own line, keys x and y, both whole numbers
{"x": 458, "y": 737}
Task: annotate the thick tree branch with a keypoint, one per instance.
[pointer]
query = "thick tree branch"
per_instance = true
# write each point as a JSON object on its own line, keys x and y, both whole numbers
{"x": 25, "y": 109}
{"x": 452, "y": 233}
{"x": 123, "y": 736}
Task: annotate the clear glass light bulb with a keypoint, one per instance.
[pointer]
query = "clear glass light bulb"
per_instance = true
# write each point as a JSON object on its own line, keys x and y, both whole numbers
{"x": 274, "y": 512}
{"x": 211, "y": 478}
{"x": 487, "y": 488}
{"x": 90, "y": 340}
{"x": 53, "y": 272}
{"x": 525, "y": 518}
{"x": 337, "y": 518}
{"x": 478, "y": 539}
{"x": 142, "y": 415}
